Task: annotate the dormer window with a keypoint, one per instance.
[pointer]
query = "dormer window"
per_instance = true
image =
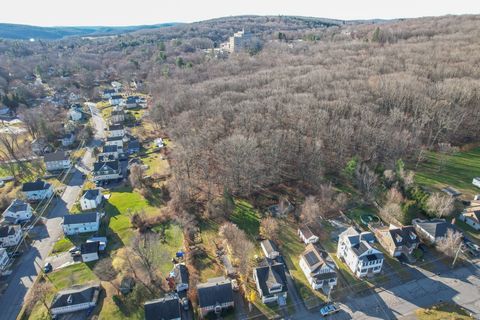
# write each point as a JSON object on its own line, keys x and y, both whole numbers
{"x": 275, "y": 288}
{"x": 413, "y": 236}
{"x": 398, "y": 237}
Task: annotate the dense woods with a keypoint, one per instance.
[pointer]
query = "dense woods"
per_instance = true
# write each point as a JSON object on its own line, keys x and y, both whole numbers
{"x": 315, "y": 98}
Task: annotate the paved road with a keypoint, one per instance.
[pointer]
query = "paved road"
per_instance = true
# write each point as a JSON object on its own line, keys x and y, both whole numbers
{"x": 31, "y": 262}
{"x": 461, "y": 285}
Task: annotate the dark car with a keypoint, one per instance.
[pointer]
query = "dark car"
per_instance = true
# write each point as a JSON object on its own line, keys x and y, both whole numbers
{"x": 48, "y": 267}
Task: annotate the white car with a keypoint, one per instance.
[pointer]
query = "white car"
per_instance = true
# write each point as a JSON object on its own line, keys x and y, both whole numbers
{"x": 329, "y": 310}
{"x": 235, "y": 286}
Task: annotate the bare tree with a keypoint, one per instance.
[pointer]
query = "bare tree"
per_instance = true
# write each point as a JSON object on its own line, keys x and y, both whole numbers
{"x": 449, "y": 244}
{"x": 239, "y": 245}
{"x": 269, "y": 228}
{"x": 136, "y": 177}
{"x": 440, "y": 205}
{"x": 310, "y": 210}
{"x": 367, "y": 181}
{"x": 40, "y": 292}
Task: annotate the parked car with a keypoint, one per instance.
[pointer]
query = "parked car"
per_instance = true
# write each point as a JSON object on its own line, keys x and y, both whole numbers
{"x": 329, "y": 310}
{"x": 73, "y": 249}
{"x": 48, "y": 267}
{"x": 472, "y": 246}
{"x": 184, "y": 303}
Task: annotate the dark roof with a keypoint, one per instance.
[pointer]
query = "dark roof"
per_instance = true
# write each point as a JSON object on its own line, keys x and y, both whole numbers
{"x": 216, "y": 290}
{"x": 17, "y": 205}
{"x": 117, "y": 113}
{"x": 89, "y": 247}
{"x": 372, "y": 257}
{"x": 437, "y": 228}
{"x": 80, "y": 218}
{"x": 131, "y": 100}
{"x": 108, "y": 165}
{"x": 269, "y": 246}
{"x": 76, "y": 296}
{"x": 307, "y": 233}
{"x": 55, "y": 156}
{"x": 6, "y": 231}
{"x": 114, "y": 138}
{"x": 133, "y": 144}
{"x": 115, "y": 127}
{"x": 360, "y": 248}
{"x": 107, "y": 91}
{"x": 35, "y": 186}
{"x": 180, "y": 273}
{"x": 110, "y": 148}
{"x": 162, "y": 309}
{"x": 269, "y": 276}
{"x": 91, "y": 194}
{"x": 117, "y": 96}
{"x": 404, "y": 236}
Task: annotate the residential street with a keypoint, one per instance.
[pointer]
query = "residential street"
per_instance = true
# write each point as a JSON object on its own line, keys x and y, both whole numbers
{"x": 31, "y": 262}
{"x": 460, "y": 285}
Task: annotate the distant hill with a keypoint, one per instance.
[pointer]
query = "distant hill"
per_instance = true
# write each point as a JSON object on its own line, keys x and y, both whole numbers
{"x": 25, "y": 32}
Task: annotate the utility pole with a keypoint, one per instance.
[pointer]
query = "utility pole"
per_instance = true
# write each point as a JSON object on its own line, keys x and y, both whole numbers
{"x": 457, "y": 253}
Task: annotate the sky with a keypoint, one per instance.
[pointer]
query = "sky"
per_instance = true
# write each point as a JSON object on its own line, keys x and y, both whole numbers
{"x": 139, "y": 12}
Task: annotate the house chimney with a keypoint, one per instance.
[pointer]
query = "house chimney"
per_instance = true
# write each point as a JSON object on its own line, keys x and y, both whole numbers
{"x": 70, "y": 299}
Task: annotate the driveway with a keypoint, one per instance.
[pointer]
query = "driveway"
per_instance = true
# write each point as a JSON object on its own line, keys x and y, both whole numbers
{"x": 32, "y": 261}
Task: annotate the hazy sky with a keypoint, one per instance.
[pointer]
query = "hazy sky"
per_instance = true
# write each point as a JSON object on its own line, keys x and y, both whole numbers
{"x": 134, "y": 12}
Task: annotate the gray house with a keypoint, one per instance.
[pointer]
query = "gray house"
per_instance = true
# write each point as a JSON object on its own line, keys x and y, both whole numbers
{"x": 75, "y": 299}
{"x": 57, "y": 161}
{"x": 271, "y": 283}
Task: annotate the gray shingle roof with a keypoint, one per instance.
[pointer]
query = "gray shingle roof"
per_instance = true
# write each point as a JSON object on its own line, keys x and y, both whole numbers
{"x": 162, "y": 309}
{"x": 6, "y": 231}
{"x": 217, "y": 290}
{"x": 268, "y": 246}
{"x": 35, "y": 186}
{"x": 76, "y": 296}
{"x": 180, "y": 273}
{"x": 80, "y": 218}
{"x": 91, "y": 194}
{"x": 55, "y": 156}
{"x": 89, "y": 247}
{"x": 437, "y": 228}
{"x": 270, "y": 275}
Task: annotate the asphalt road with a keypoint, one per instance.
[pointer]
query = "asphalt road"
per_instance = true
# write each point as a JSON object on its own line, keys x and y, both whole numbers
{"x": 32, "y": 261}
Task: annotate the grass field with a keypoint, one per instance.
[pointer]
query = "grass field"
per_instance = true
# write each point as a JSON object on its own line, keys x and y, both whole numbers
{"x": 444, "y": 311}
{"x": 246, "y": 218}
{"x": 458, "y": 172}
{"x": 62, "y": 245}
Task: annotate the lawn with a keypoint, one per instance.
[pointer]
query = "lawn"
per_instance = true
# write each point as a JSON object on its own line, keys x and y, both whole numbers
{"x": 458, "y": 172}
{"x": 62, "y": 245}
{"x": 246, "y": 218}
{"x": 356, "y": 213}
{"x": 207, "y": 264}
{"x": 123, "y": 202}
{"x": 173, "y": 243}
{"x": 155, "y": 163}
{"x": 444, "y": 311}
{"x": 79, "y": 273}
{"x": 34, "y": 169}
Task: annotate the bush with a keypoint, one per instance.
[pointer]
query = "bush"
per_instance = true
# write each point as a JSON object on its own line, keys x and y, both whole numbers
{"x": 419, "y": 196}
{"x": 410, "y": 211}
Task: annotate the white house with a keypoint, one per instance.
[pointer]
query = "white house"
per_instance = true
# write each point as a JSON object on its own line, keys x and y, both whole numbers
{"x": 319, "y": 270}
{"x": 131, "y": 102}
{"x": 89, "y": 251}
{"x": 110, "y": 152}
{"x": 56, "y": 161}
{"x": 75, "y": 114}
{"x": 115, "y": 141}
{"x": 75, "y": 299}
{"x": 471, "y": 215}
{"x": 68, "y": 139}
{"x": 105, "y": 171}
{"x": 3, "y": 259}
{"x": 476, "y": 182}
{"x": 269, "y": 249}
{"x": 117, "y": 116}
{"x": 81, "y": 223}
{"x": 116, "y": 100}
{"x": 91, "y": 199}
{"x": 358, "y": 254}
{"x": 214, "y": 296}
{"x": 271, "y": 283}
{"x": 116, "y": 130}
{"x": 307, "y": 235}
{"x": 10, "y": 236}
{"x": 17, "y": 211}
{"x": 37, "y": 191}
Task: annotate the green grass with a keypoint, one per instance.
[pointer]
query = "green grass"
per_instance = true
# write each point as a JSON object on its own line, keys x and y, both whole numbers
{"x": 207, "y": 264}
{"x": 76, "y": 274}
{"x": 122, "y": 203}
{"x": 356, "y": 213}
{"x": 62, "y": 245}
{"x": 458, "y": 172}
{"x": 246, "y": 218}
{"x": 173, "y": 243}
{"x": 443, "y": 311}
{"x": 34, "y": 169}
{"x": 155, "y": 164}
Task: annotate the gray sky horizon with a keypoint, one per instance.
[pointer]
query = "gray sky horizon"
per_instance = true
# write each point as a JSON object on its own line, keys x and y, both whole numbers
{"x": 147, "y": 12}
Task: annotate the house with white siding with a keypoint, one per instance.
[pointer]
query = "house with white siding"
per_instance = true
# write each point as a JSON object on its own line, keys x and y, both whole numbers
{"x": 75, "y": 299}
{"x": 307, "y": 235}
{"x": 18, "y": 211}
{"x": 359, "y": 255}
{"x": 106, "y": 171}
{"x": 91, "y": 199}
{"x": 116, "y": 130}
{"x": 10, "y": 236}
{"x": 57, "y": 161}
{"x": 37, "y": 191}
{"x": 214, "y": 296}
{"x": 471, "y": 215}
{"x": 318, "y": 268}
{"x": 81, "y": 223}
{"x": 89, "y": 251}
{"x": 117, "y": 141}
{"x": 271, "y": 283}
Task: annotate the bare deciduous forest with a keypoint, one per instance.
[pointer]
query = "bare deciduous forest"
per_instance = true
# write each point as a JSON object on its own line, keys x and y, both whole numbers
{"x": 314, "y": 98}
